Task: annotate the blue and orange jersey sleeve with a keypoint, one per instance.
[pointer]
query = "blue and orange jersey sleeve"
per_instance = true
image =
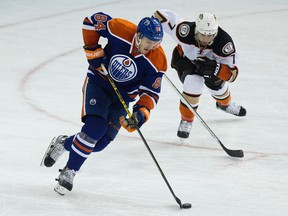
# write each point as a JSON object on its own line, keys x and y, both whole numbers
{"x": 148, "y": 98}
{"x": 94, "y": 27}
{"x": 150, "y": 89}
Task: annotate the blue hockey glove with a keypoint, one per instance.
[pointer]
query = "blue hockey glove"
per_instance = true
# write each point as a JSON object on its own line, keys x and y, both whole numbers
{"x": 95, "y": 56}
{"x": 139, "y": 118}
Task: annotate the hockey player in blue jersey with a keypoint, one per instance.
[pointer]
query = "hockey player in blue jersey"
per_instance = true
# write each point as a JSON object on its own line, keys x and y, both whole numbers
{"x": 136, "y": 62}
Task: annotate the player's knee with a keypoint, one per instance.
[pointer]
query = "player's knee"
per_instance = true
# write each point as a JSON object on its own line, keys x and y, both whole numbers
{"x": 94, "y": 127}
{"x": 183, "y": 75}
{"x": 182, "y": 65}
{"x": 214, "y": 83}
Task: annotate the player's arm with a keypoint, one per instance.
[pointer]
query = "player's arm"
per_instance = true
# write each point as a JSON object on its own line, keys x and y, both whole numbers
{"x": 148, "y": 98}
{"x": 224, "y": 65}
{"x": 228, "y": 69}
{"x": 209, "y": 68}
{"x": 94, "y": 27}
{"x": 169, "y": 21}
{"x": 148, "y": 91}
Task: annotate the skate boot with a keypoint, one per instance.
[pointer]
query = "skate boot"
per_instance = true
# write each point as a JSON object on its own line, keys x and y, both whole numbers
{"x": 54, "y": 151}
{"x": 184, "y": 129}
{"x": 65, "y": 180}
{"x": 233, "y": 108}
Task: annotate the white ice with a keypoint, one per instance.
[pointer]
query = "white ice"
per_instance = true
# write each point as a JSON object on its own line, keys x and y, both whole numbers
{"x": 42, "y": 68}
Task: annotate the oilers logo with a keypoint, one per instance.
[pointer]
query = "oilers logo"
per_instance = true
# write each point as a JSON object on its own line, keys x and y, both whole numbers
{"x": 122, "y": 68}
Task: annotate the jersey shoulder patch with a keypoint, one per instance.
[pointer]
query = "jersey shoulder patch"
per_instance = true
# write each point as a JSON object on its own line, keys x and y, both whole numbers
{"x": 228, "y": 48}
{"x": 223, "y": 44}
{"x": 185, "y": 32}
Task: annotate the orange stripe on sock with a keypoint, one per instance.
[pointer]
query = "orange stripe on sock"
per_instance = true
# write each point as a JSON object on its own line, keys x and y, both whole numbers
{"x": 76, "y": 143}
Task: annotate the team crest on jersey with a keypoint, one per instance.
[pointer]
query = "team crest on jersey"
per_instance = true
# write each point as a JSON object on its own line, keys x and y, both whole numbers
{"x": 122, "y": 68}
{"x": 228, "y": 48}
{"x": 184, "y": 30}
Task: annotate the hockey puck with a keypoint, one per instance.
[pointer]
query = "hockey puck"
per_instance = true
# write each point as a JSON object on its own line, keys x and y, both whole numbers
{"x": 186, "y": 205}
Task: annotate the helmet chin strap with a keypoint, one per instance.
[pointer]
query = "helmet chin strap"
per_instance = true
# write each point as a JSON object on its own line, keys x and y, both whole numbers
{"x": 208, "y": 44}
{"x": 138, "y": 41}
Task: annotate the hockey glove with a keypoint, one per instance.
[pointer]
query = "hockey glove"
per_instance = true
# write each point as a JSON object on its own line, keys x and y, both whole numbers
{"x": 138, "y": 119}
{"x": 206, "y": 67}
{"x": 95, "y": 56}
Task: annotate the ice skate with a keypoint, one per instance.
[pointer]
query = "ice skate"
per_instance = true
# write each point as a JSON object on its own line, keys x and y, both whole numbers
{"x": 65, "y": 181}
{"x": 184, "y": 129}
{"x": 54, "y": 151}
{"x": 233, "y": 108}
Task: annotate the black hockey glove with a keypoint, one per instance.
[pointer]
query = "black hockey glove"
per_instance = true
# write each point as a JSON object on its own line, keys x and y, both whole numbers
{"x": 206, "y": 67}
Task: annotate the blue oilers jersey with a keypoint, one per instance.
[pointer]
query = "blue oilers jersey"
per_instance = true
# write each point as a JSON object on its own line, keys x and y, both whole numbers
{"x": 134, "y": 74}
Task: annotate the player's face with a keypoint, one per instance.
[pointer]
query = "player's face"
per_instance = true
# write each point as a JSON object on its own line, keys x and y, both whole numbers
{"x": 146, "y": 45}
{"x": 204, "y": 40}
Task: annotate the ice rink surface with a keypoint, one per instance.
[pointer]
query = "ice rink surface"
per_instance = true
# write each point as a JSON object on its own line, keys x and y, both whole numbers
{"x": 42, "y": 68}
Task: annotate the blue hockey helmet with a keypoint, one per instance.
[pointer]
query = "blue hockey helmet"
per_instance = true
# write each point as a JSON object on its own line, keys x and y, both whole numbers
{"x": 150, "y": 28}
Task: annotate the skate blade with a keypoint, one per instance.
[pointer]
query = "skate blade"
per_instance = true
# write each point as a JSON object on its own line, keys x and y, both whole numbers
{"x": 60, "y": 189}
{"x": 182, "y": 140}
{"x": 51, "y": 143}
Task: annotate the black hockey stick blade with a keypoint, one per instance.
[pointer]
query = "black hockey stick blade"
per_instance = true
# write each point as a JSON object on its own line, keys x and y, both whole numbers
{"x": 233, "y": 153}
{"x": 178, "y": 201}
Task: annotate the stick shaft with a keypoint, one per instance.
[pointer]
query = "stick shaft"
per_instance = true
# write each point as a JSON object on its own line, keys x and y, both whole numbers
{"x": 232, "y": 153}
{"x": 140, "y": 134}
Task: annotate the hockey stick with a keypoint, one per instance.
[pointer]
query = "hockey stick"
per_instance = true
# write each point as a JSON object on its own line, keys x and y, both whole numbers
{"x": 230, "y": 152}
{"x": 141, "y": 135}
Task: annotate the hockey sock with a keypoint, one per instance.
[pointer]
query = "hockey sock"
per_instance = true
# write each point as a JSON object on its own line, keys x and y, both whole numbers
{"x": 102, "y": 143}
{"x": 80, "y": 150}
{"x": 186, "y": 113}
{"x": 225, "y": 101}
{"x": 85, "y": 141}
{"x": 68, "y": 142}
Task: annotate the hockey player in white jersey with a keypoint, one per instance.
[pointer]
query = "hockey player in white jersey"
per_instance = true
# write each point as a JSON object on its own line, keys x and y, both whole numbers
{"x": 205, "y": 55}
